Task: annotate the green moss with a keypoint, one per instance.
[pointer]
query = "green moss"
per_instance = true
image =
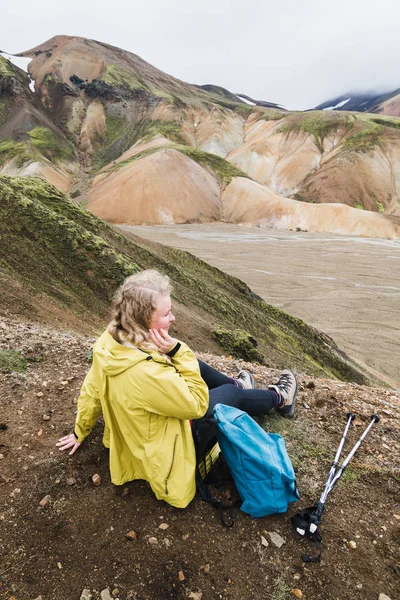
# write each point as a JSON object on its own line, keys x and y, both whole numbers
{"x": 120, "y": 76}
{"x": 316, "y": 124}
{"x": 364, "y": 140}
{"x": 388, "y": 122}
{"x": 240, "y": 343}
{"x": 12, "y": 361}
{"x": 120, "y": 137}
{"x": 6, "y": 67}
{"x": 133, "y": 158}
{"x": 10, "y": 149}
{"x": 300, "y": 198}
{"x": 379, "y": 206}
{"x": 114, "y": 128}
{"x": 50, "y": 145}
{"x": 225, "y": 170}
{"x": 358, "y": 205}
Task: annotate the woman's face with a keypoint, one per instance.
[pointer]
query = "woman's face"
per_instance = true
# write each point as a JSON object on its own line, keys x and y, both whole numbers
{"x": 162, "y": 316}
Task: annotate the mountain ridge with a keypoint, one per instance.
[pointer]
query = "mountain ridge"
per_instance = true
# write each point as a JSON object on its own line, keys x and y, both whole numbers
{"x": 103, "y": 103}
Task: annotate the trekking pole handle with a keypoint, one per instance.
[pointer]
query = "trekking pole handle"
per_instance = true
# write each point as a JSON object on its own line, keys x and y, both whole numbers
{"x": 374, "y": 419}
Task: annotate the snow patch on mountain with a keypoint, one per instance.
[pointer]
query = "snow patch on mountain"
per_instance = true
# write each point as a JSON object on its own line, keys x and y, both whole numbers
{"x": 246, "y": 101}
{"x": 338, "y": 105}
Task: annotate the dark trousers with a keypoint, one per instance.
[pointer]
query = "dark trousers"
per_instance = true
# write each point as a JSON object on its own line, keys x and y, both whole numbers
{"x": 223, "y": 390}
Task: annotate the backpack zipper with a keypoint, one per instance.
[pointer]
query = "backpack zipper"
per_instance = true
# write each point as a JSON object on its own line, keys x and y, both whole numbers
{"x": 172, "y": 464}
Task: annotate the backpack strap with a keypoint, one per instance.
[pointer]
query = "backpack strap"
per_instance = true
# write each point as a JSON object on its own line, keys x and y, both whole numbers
{"x": 224, "y": 510}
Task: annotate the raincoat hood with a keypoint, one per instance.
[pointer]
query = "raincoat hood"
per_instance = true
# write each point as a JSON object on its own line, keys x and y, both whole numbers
{"x": 114, "y": 358}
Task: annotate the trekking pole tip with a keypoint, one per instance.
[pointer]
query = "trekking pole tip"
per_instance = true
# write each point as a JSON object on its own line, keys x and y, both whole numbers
{"x": 375, "y": 418}
{"x": 351, "y": 416}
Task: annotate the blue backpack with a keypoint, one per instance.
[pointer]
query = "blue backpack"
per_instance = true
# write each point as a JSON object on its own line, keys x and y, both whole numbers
{"x": 258, "y": 461}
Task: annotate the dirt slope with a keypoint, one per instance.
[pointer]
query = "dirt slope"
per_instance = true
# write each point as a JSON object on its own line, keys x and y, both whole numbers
{"x": 245, "y": 201}
{"x": 61, "y": 534}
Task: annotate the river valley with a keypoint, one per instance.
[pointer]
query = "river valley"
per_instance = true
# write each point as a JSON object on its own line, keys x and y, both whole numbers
{"x": 347, "y": 287}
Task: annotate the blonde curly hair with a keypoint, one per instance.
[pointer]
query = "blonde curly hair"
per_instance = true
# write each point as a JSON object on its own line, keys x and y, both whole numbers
{"x": 133, "y": 306}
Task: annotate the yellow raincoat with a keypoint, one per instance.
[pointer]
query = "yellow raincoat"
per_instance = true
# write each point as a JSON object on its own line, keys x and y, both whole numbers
{"x": 146, "y": 401}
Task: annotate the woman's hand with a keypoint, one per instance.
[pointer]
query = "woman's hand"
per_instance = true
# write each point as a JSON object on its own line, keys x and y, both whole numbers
{"x": 68, "y": 441}
{"x": 162, "y": 340}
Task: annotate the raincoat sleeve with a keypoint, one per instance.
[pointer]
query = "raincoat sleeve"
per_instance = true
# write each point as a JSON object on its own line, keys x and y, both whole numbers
{"x": 178, "y": 390}
{"x": 89, "y": 407}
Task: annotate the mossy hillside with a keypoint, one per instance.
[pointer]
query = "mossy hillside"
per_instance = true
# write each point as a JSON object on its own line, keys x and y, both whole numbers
{"x": 224, "y": 170}
{"x": 365, "y": 139}
{"x": 393, "y": 122}
{"x": 120, "y": 76}
{"x": 51, "y": 146}
{"x": 120, "y": 137}
{"x": 62, "y": 252}
{"x": 56, "y": 247}
{"x": 8, "y": 70}
{"x": 4, "y": 107}
{"x": 10, "y": 149}
{"x": 318, "y": 124}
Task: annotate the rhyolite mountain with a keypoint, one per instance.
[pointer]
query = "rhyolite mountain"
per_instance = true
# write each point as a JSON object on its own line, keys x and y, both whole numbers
{"x": 135, "y": 145}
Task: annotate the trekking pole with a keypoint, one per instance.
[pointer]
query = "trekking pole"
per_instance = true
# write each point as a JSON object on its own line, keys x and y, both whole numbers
{"x": 307, "y": 522}
{"x": 339, "y": 472}
{"x": 332, "y": 472}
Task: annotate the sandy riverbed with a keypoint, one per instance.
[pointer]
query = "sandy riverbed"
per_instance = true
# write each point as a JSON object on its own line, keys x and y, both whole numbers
{"x": 345, "y": 286}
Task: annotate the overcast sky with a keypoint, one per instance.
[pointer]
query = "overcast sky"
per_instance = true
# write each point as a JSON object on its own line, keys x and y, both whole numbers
{"x": 294, "y": 53}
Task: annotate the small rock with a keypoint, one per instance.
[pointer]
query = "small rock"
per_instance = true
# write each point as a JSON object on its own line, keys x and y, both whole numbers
{"x": 46, "y": 417}
{"x": 59, "y": 565}
{"x": 105, "y": 595}
{"x": 86, "y": 595}
{"x": 181, "y": 576}
{"x": 298, "y": 593}
{"x": 163, "y": 526}
{"x": 40, "y": 433}
{"x": 306, "y": 405}
{"x": 359, "y": 586}
{"x": 276, "y": 539}
{"x": 397, "y": 517}
{"x": 153, "y": 541}
{"x": 131, "y": 535}
{"x": 40, "y": 395}
{"x": 45, "y": 500}
{"x": 310, "y": 385}
{"x": 383, "y": 597}
{"x": 195, "y": 595}
{"x": 71, "y": 480}
{"x": 96, "y": 479}
{"x": 352, "y": 544}
{"x": 264, "y": 542}
{"x": 296, "y": 576}
{"x": 115, "y": 592}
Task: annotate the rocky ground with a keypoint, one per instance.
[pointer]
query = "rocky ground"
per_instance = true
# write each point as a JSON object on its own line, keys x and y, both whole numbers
{"x": 65, "y": 538}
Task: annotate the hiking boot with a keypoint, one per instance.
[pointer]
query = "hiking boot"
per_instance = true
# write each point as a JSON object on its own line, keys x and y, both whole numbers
{"x": 286, "y": 388}
{"x": 245, "y": 380}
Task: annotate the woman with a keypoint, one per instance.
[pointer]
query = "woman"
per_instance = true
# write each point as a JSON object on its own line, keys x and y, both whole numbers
{"x": 148, "y": 386}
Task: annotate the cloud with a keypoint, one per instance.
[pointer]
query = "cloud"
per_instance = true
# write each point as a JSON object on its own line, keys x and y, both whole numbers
{"x": 294, "y": 53}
